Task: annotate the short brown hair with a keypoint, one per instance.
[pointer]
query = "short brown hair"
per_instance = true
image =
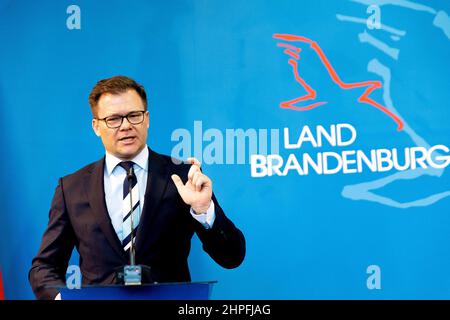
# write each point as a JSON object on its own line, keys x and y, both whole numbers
{"x": 115, "y": 85}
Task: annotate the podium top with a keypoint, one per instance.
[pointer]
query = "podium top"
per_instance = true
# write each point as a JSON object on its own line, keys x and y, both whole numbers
{"x": 200, "y": 290}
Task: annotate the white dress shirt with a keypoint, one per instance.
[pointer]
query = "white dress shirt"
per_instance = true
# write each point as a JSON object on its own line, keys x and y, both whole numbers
{"x": 114, "y": 175}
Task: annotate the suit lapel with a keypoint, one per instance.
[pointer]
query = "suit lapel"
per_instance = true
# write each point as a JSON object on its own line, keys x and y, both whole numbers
{"x": 156, "y": 185}
{"x": 96, "y": 195}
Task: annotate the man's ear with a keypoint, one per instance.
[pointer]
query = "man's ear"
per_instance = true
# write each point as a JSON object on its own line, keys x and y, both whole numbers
{"x": 147, "y": 114}
{"x": 95, "y": 127}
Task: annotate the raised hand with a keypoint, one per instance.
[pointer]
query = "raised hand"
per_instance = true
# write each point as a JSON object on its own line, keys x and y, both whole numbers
{"x": 197, "y": 191}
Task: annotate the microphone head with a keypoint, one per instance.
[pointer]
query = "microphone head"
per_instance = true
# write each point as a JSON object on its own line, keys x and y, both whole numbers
{"x": 130, "y": 174}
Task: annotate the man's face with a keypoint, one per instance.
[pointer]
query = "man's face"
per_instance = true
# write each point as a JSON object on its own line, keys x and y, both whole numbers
{"x": 126, "y": 141}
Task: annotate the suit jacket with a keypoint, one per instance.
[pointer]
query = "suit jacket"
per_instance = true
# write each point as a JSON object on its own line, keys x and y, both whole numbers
{"x": 78, "y": 218}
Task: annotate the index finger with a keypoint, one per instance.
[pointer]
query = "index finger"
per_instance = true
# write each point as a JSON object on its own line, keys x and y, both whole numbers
{"x": 193, "y": 169}
{"x": 193, "y": 160}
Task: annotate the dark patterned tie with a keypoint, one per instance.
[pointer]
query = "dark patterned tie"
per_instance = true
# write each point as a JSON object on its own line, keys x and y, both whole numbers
{"x": 129, "y": 216}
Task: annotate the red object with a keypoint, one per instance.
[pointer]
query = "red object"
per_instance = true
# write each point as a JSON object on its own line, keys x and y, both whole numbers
{"x": 294, "y": 52}
{"x": 2, "y": 292}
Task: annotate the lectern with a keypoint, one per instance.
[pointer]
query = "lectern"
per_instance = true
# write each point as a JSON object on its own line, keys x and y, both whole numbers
{"x": 155, "y": 291}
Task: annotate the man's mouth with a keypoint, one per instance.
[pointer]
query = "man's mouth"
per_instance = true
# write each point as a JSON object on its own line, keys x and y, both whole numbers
{"x": 127, "y": 139}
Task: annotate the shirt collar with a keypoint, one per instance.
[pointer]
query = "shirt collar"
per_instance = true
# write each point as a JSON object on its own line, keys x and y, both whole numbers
{"x": 141, "y": 159}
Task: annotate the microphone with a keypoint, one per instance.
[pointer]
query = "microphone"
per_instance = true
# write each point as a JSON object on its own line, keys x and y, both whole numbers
{"x": 130, "y": 175}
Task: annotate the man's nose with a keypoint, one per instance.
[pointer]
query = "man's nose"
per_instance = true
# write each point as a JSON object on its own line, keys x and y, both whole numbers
{"x": 125, "y": 124}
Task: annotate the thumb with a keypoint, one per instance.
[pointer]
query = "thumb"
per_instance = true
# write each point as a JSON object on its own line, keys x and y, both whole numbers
{"x": 178, "y": 184}
{"x": 177, "y": 181}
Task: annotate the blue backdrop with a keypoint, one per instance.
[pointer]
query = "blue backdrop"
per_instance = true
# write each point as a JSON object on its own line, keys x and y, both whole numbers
{"x": 367, "y": 235}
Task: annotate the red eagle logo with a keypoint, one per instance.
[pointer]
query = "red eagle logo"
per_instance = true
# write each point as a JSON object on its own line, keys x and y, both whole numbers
{"x": 293, "y": 52}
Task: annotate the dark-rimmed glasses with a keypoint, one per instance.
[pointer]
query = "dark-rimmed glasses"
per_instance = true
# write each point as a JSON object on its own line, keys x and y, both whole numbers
{"x": 114, "y": 122}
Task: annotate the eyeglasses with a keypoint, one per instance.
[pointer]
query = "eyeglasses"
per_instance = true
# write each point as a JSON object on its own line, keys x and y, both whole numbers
{"x": 134, "y": 117}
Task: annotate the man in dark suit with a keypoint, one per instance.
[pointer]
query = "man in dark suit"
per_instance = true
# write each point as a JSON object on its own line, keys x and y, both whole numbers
{"x": 171, "y": 202}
